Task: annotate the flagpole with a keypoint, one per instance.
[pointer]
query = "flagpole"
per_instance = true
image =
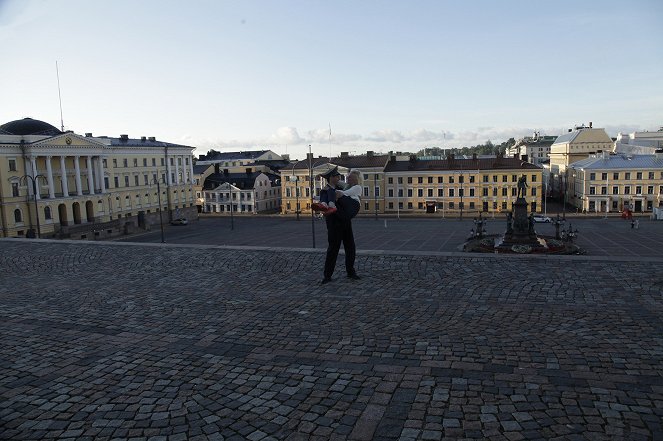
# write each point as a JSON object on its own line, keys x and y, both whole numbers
{"x": 310, "y": 180}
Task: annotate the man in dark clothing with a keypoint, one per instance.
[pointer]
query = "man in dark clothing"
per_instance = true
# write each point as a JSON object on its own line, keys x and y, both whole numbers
{"x": 339, "y": 229}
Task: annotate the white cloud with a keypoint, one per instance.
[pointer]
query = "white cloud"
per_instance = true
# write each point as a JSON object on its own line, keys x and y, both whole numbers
{"x": 287, "y": 135}
{"x": 386, "y": 136}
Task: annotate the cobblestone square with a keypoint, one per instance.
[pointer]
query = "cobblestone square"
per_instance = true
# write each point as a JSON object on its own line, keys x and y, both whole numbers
{"x": 174, "y": 342}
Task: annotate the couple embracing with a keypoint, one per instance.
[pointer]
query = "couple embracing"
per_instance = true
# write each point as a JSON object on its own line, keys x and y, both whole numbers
{"x": 339, "y": 207}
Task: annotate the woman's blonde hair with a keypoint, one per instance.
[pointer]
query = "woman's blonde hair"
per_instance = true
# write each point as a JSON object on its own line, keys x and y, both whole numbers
{"x": 357, "y": 174}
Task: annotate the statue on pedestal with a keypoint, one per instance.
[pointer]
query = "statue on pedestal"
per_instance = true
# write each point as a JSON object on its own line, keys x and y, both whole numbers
{"x": 522, "y": 186}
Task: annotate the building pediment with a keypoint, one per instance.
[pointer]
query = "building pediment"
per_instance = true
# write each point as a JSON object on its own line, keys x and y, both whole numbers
{"x": 69, "y": 140}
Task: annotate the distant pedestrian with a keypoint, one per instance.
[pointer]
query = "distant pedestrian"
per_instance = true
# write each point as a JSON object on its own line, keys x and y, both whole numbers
{"x": 632, "y": 223}
{"x": 637, "y": 224}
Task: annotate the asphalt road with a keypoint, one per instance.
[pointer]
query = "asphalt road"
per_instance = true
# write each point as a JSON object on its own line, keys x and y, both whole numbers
{"x": 597, "y": 236}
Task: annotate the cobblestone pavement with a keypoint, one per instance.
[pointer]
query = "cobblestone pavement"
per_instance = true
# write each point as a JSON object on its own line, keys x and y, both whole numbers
{"x": 135, "y": 341}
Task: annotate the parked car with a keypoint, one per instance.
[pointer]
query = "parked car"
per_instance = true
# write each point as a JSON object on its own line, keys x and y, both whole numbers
{"x": 179, "y": 221}
{"x": 541, "y": 218}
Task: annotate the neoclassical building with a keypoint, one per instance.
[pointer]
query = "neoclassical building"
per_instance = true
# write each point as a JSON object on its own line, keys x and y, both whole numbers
{"x": 55, "y": 183}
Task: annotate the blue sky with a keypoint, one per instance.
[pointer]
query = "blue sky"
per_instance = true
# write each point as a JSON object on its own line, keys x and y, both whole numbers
{"x": 386, "y": 75}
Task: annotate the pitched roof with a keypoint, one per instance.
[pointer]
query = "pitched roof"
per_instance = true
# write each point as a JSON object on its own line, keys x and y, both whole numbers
{"x": 460, "y": 164}
{"x": 624, "y": 161}
{"x": 221, "y": 156}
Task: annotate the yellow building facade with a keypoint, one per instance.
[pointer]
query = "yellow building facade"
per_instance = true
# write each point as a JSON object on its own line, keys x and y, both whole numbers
{"x": 55, "y": 183}
{"x": 408, "y": 185}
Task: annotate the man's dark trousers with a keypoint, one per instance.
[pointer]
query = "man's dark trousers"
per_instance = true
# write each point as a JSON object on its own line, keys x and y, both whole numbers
{"x": 339, "y": 231}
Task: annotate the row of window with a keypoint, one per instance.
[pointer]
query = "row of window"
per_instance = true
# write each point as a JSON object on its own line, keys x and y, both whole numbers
{"x": 125, "y": 162}
{"x": 627, "y": 176}
{"x": 453, "y": 206}
{"x": 627, "y": 189}
{"x": 461, "y": 179}
{"x": 451, "y": 192}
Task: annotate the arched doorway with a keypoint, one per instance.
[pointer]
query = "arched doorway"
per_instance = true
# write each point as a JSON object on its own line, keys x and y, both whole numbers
{"x": 89, "y": 211}
{"x": 76, "y": 207}
{"x": 62, "y": 214}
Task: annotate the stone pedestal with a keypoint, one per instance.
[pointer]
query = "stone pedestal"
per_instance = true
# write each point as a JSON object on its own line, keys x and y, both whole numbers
{"x": 520, "y": 228}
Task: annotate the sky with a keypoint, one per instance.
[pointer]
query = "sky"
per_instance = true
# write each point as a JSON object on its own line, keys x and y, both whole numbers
{"x": 340, "y": 76}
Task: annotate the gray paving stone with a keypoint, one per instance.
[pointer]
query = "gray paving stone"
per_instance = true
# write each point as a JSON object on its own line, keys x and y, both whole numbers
{"x": 124, "y": 341}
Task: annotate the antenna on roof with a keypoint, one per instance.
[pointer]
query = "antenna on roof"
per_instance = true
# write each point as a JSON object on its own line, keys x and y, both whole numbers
{"x": 57, "y": 72}
{"x": 330, "y": 150}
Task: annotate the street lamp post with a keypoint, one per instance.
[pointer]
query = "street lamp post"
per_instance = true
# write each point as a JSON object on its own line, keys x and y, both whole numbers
{"x": 156, "y": 181}
{"x": 296, "y": 196}
{"x": 232, "y": 221}
{"x": 34, "y": 180}
{"x": 310, "y": 181}
{"x": 375, "y": 189}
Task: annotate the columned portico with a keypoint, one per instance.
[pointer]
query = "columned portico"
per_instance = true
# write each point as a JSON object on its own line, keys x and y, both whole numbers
{"x": 177, "y": 170}
{"x": 90, "y": 178}
{"x": 168, "y": 172}
{"x": 77, "y": 167}
{"x": 63, "y": 177}
{"x": 33, "y": 173}
{"x": 49, "y": 177}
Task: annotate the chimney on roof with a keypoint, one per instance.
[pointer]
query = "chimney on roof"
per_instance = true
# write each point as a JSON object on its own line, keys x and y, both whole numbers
{"x": 658, "y": 154}
{"x": 413, "y": 158}
{"x": 142, "y": 139}
{"x": 590, "y": 124}
{"x": 523, "y": 158}
{"x": 474, "y": 156}
{"x": 124, "y": 138}
{"x": 369, "y": 153}
{"x": 151, "y": 138}
{"x": 515, "y": 155}
{"x": 309, "y": 156}
{"x": 88, "y": 135}
{"x": 344, "y": 154}
{"x": 392, "y": 158}
{"x": 249, "y": 170}
{"x": 225, "y": 172}
{"x": 216, "y": 169}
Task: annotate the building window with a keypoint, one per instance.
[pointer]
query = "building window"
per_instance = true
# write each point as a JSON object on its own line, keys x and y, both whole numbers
{"x": 15, "y": 192}
{"x": 514, "y": 192}
{"x": 400, "y": 192}
{"x": 494, "y": 178}
{"x": 627, "y": 189}
{"x": 592, "y": 176}
{"x": 116, "y": 179}
{"x": 376, "y": 192}
{"x": 420, "y": 180}
{"x": 430, "y": 192}
{"x": 366, "y": 206}
{"x": 650, "y": 189}
{"x": 125, "y": 162}
{"x": 484, "y": 192}
{"x": 391, "y": 205}
{"x": 615, "y": 190}
{"x": 651, "y": 175}
{"x": 604, "y": 176}
{"x": 47, "y": 213}
{"x": 409, "y": 179}
{"x": 365, "y": 191}
{"x": 533, "y": 178}
{"x": 451, "y": 180}
{"x": 420, "y": 192}
{"x": 136, "y": 181}
{"x": 638, "y": 175}
{"x": 365, "y": 176}
{"x": 638, "y": 189}
{"x": 592, "y": 190}
{"x": 409, "y": 192}
{"x": 471, "y": 179}
{"x": 146, "y": 179}
{"x": 440, "y": 192}
{"x": 126, "y": 181}
{"x": 514, "y": 178}
{"x": 440, "y": 180}
{"x": 12, "y": 165}
{"x": 163, "y": 162}
{"x": 409, "y": 205}
{"x": 604, "y": 190}
{"x": 505, "y": 178}
{"x": 420, "y": 205}
{"x": 615, "y": 176}
{"x": 18, "y": 217}
{"x": 390, "y": 192}
{"x": 504, "y": 205}
{"x": 471, "y": 192}
{"x": 135, "y": 162}
{"x": 627, "y": 176}
{"x": 451, "y": 205}
{"x": 400, "y": 179}
{"x": 114, "y": 162}
{"x": 390, "y": 180}
{"x": 505, "y": 191}
{"x": 471, "y": 205}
